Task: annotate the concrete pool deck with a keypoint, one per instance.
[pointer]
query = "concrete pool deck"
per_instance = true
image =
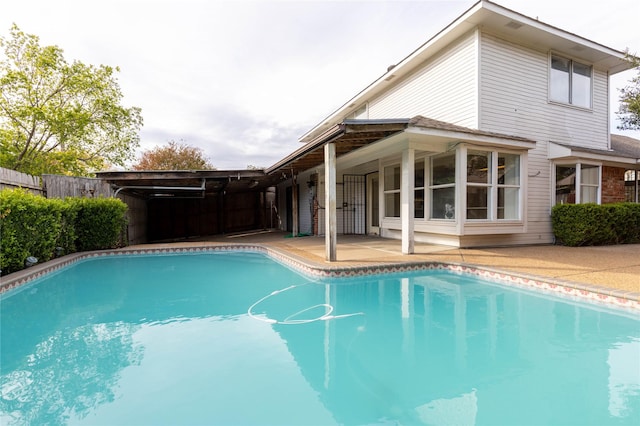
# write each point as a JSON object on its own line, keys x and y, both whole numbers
{"x": 605, "y": 269}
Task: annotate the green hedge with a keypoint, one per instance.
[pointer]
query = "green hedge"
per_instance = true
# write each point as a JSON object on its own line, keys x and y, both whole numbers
{"x": 99, "y": 223}
{"x": 31, "y": 225}
{"x": 593, "y": 224}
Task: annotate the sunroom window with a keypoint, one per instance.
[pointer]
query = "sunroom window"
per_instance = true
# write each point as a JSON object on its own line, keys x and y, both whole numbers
{"x": 493, "y": 185}
{"x": 478, "y": 184}
{"x": 570, "y": 82}
{"x": 392, "y": 191}
{"x": 443, "y": 186}
{"x": 419, "y": 189}
{"x": 508, "y": 186}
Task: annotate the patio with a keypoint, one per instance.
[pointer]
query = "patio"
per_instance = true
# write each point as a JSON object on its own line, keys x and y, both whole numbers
{"x": 604, "y": 269}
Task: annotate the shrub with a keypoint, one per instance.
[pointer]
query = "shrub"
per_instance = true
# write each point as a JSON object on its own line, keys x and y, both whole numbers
{"x": 592, "y": 224}
{"x": 31, "y": 225}
{"x": 99, "y": 223}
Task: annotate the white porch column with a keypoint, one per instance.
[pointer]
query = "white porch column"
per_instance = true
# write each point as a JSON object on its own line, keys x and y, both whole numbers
{"x": 330, "y": 218}
{"x": 407, "y": 195}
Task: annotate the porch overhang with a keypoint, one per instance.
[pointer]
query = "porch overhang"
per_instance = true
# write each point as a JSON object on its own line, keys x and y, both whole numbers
{"x": 560, "y": 151}
{"x": 347, "y": 136}
{"x": 351, "y": 135}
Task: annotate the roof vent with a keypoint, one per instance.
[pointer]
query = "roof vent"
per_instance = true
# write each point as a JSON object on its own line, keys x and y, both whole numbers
{"x": 514, "y": 25}
{"x": 390, "y": 67}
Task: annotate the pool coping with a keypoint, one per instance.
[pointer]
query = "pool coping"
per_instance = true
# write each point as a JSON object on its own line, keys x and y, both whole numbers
{"x": 573, "y": 290}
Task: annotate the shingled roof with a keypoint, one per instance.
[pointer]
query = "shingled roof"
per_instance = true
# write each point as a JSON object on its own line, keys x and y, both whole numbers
{"x": 625, "y": 146}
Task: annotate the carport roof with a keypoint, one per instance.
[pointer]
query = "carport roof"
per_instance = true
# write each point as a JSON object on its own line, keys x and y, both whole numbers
{"x": 186, "y": 183}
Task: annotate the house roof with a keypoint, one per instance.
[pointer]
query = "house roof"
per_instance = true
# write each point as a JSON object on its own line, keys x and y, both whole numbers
{"x": 624, "y": 145}
{"x": 353, "y": 134}
{"x": 429, "y": 123}
{"x": 495, "y": 19}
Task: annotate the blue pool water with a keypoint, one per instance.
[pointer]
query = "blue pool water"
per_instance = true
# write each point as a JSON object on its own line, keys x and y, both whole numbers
{"x": 237, "y": 338}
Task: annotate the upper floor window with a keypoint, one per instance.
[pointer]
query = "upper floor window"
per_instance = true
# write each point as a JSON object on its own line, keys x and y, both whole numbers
{"x": 570, "y": 82}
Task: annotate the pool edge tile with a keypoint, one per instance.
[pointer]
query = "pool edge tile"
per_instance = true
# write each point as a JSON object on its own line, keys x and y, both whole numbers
{"x": 573, "y": 290}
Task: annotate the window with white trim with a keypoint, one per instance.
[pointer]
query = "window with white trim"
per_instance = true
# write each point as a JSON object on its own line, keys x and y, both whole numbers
{"x": 478, "y": 184}
{"x": 569, "y": 177}
{"x": 493, "y": 185}
{"x": 570, "y": 82}
{"x": 508, "y": 186}
{"x": 392, "y": 191}
{"x": 418, "y": 199}
{"x": 442, "y": 186}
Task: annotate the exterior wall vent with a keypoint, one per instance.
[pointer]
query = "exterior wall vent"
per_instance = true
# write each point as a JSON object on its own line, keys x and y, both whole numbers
{"x": 513, "y": 25}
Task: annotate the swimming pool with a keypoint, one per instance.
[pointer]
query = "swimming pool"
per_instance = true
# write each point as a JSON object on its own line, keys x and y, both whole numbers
{"x": 238, "y": 338}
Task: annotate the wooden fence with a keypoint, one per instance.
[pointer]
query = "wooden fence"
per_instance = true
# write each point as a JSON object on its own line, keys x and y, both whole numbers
{"x": 10, "y": 179}
{"x": 57, "y": 186}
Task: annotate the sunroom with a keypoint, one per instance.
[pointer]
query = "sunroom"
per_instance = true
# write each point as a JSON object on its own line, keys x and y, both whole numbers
{"x": 420, "y": 180}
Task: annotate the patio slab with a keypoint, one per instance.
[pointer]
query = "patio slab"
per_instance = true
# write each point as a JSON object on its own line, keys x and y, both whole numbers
{"x": 612, "y": 267}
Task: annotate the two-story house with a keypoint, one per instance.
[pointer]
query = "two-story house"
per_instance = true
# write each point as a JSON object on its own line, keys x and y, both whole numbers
{"x": 468, "y": 141}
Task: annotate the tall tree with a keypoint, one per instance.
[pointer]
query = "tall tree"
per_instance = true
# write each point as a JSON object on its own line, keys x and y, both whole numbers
{"x": 60, "y": 117}
{"x": 629, "y": 111}
{"x": 173, "y": 156}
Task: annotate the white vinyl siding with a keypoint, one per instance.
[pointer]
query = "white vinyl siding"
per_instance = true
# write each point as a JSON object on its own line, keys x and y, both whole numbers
{"x": 443, "y": 88}
{"x": 514, "y": 99}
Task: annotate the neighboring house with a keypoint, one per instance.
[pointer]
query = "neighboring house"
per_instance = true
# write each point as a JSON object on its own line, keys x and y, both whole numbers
{"x": 468, "y": 141}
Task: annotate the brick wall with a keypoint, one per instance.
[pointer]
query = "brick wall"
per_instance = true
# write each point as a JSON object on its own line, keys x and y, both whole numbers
{"x": 612, "y": 184}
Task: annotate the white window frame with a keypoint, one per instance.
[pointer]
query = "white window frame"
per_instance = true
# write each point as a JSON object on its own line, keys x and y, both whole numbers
{"x": 422, "y": 188}
{"x": 578, "y": 180}
{"x": 433, "y": 187}
{"x": 493, "y": 186}
{"x": 386, "y": 192}
{"x": 570, "y": 101}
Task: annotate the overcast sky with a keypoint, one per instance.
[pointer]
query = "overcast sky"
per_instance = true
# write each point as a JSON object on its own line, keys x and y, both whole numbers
{"x": 243, "y": 80}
